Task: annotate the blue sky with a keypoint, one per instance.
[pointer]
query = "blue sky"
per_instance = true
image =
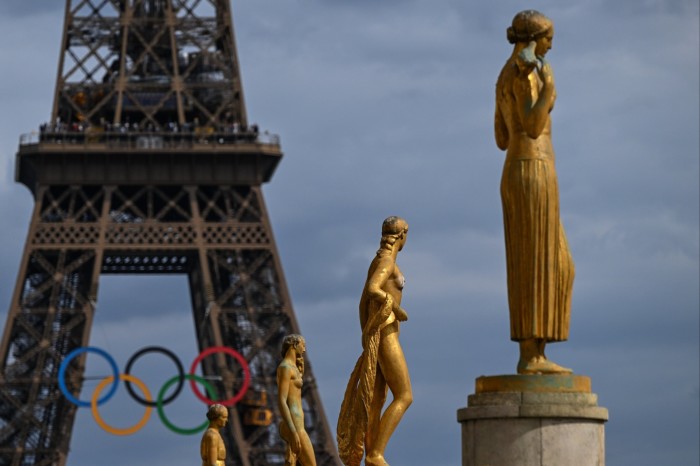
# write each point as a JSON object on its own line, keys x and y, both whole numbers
{"x": 386, "y": 108}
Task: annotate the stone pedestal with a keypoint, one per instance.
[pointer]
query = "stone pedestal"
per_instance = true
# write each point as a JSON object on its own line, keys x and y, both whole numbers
{"x": 533, "y": 420}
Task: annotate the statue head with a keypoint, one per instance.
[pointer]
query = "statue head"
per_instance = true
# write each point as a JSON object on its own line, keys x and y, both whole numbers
{"x": 394, "y": 230}
{"x": 529, "y": 25}
{"x": 217, "y": 411}
{"x": 290, "y": 341}
{"x": 394, "y": 225}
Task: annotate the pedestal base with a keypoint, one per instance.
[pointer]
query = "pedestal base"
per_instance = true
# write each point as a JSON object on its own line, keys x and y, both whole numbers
{"x": 533, "y": 420}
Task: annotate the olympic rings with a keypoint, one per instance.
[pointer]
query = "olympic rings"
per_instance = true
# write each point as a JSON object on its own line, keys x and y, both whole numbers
{"x": 103, "y": 424}
{"x": 148, "y": 402}
{"x": 246, "y": 371}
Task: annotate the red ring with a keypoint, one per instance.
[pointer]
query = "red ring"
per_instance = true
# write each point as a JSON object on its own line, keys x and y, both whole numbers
{"x": 236, "y": 355}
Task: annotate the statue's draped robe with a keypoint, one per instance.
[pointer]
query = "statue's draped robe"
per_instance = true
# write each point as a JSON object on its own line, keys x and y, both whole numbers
{"x": 539, "y": 264}
{"x": 355, "y": 410}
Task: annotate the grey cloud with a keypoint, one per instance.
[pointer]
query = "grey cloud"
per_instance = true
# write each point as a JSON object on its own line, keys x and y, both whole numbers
{"x": 19, "y": 8}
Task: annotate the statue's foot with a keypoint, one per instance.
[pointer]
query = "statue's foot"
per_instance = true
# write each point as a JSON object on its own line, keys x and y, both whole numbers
{"x": 375, "y": 460}
{"x": 541, "y": 366}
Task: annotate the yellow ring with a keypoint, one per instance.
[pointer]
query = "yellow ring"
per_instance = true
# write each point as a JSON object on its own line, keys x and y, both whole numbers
{"x": 103, "y": 424}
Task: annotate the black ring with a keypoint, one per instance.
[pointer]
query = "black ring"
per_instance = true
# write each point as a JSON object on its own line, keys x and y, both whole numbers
{"x": 168, "y": 353}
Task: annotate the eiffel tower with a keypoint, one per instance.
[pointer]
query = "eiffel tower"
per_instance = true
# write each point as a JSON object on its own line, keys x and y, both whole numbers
{"x": 148, "y": 165}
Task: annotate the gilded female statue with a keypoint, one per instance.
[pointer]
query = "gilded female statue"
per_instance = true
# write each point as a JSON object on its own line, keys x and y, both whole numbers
{"x": 290, "y": 375}
{"x": 361, "y": 425}
{"x": 539, "y": 264}
{"x": 212, "y": 448}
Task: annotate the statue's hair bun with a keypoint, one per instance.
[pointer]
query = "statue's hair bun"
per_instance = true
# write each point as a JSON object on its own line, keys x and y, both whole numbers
{"x": 528, "y": 25}
{"x": 510, "y": 34}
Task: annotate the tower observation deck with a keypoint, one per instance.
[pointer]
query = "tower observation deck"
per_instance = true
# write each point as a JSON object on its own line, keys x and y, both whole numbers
{"x": 148, "y": 165}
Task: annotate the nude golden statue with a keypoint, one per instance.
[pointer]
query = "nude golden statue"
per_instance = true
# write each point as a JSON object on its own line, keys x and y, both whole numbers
{"x": 539, "y": 264}
{"x": 212, "y": 448}
{"x": 362, "y": 427}
{"x": 290, "y": 375}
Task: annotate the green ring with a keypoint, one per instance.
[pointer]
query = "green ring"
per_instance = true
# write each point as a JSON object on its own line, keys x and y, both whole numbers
{"x": 161, "y": 413}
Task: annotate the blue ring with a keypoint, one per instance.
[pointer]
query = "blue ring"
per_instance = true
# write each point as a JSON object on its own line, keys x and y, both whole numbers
{"x": 64, "y": 366}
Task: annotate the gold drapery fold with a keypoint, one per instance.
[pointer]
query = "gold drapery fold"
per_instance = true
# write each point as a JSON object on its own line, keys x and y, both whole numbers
{"x": 539, "y": 264}
{"x": 355, "y": 409}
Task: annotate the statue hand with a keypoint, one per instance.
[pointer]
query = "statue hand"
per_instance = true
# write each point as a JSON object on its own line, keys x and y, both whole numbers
{"x": 296, "y": 443}
{"x": 401, "y": 314}
{"x": 526, "y": 59}
{"x": 545, "y": 72}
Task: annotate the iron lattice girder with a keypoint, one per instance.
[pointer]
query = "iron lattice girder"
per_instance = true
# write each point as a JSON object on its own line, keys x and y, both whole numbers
{"x": 148, "y": 218}
{"x": 139, "y": 60}
{"x": 47, "y": 315}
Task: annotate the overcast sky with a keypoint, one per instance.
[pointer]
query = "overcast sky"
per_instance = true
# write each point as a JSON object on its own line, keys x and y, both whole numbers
{"x": 385, "y": 108}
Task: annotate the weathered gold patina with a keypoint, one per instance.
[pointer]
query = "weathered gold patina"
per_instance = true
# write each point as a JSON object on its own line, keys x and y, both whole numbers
{"x": 540, "y": 267}
{"x": 290, "y": 375}
{"x": 361, "y": 424}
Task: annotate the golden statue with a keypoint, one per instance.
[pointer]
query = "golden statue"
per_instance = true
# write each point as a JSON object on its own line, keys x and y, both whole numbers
{"x": 290, "y": 373}
{"x": 212, "y": 448}
{"x": 361, "y": 424}
{"x": 540, "y": 267}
